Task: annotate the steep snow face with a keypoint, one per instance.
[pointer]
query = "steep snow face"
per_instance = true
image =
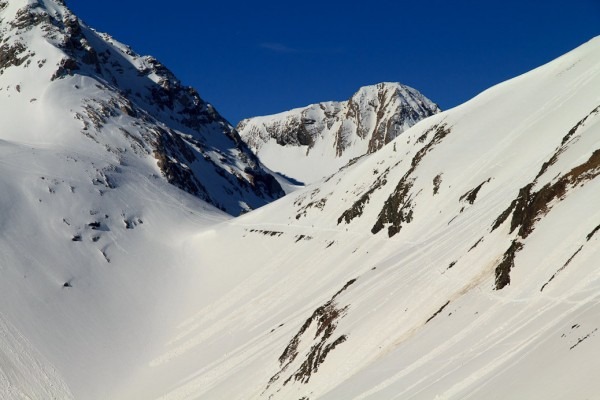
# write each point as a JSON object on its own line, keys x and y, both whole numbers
{"x": 313, "y": 142}
{"x": 91, "y": 232}
{"x": 64, "y": 84}
{"x": 96, "y": 144}
{"x": 458, "y": 262}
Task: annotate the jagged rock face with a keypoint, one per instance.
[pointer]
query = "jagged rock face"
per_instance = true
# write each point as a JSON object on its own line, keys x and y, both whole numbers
{"x": 331, "y": 134}
{"x": 194, "y": 147}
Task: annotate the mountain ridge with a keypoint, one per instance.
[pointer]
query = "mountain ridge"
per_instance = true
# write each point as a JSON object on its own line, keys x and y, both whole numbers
{"x": 193, "y": 145}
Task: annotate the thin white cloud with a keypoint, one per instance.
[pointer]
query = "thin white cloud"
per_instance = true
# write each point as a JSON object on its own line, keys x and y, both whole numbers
{"x": 282, "y": 48}
{"x": 278, "y": 47}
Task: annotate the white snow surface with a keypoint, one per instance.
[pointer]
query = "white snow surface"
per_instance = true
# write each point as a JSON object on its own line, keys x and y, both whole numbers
{"x": 423, "y": 320}
{"x": 310, "y": 143}
{"x": 118, "y": 285}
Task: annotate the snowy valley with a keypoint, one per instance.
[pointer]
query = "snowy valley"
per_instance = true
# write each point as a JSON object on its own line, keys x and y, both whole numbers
{"x": 457, "y": 261}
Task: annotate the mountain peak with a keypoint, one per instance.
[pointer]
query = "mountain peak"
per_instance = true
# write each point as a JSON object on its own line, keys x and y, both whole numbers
{"x": 27, "y": 13}
{"x": 51, "y": 57}
{"x": 407, "y": 94}
{"x": 321, "y": 138}
{"x": 385, "y": 86}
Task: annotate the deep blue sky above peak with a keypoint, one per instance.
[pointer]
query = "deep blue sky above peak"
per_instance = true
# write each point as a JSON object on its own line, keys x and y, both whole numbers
{"x": 260, "y": 57}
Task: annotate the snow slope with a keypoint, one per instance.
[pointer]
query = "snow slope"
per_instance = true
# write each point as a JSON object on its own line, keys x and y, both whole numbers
{"x": 458, "y": 262}
{"x": 310, "y": 143}
{"x": 96, "y": 145}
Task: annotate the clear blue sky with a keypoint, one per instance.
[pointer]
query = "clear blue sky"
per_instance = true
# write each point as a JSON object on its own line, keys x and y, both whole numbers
{"x": 260, "y": 57}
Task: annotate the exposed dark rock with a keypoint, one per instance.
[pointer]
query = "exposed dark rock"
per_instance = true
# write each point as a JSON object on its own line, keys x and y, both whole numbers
{"x": 579, "y": 124}
{"x": 437, "y": 181}
{"x": 438, "y": 311}
{"x": 476, "y": 244}
{"x": 504, "y": 215}
{"x": 530, "y": 207}
{"x": 561, "y": 268}
{"x": 384, "y": 131}
{"x": 103, "y": 177}
{"x": 398, "y": 208}
{"x": 583, "y": 338}
{"x": 30, "y": 16}
{"x": 264, "y": 184}
{"x": 66, "y": 67}
{"x": 318, "y": 204}
{"x": 304, "y": 137}
{"x": 13, "y": 55}
{"x": 471, "y": 195}
{"x": 317, "y": 355}
{"x": 106, "y": 258}
{"x": 344, "y": 288}
{"x": 267, "y": 233}
{"x": 388, "y": 129}
{"x": 592, "y": 233}
{"x": 506, "y": 265}
{"x": 326, "y": 320}
{"x": 168, "y": 150}
{"x": 303, "y": 237}
{"x": 359, "y": 206}
{"x": 131, "y": 223}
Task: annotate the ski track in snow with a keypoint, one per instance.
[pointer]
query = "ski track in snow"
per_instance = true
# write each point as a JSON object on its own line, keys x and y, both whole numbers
{"x": 24, "y": 372}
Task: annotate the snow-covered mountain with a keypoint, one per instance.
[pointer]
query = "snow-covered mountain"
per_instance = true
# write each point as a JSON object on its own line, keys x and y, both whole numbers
{"x": 310, "y": 143}
{"x": 64, "y": 84}
{"x": 458, "y": 262}
{"x": 108, "y": 165}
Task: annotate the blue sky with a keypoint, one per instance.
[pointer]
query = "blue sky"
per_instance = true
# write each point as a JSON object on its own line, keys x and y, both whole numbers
{"x": 258, "y": 57}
